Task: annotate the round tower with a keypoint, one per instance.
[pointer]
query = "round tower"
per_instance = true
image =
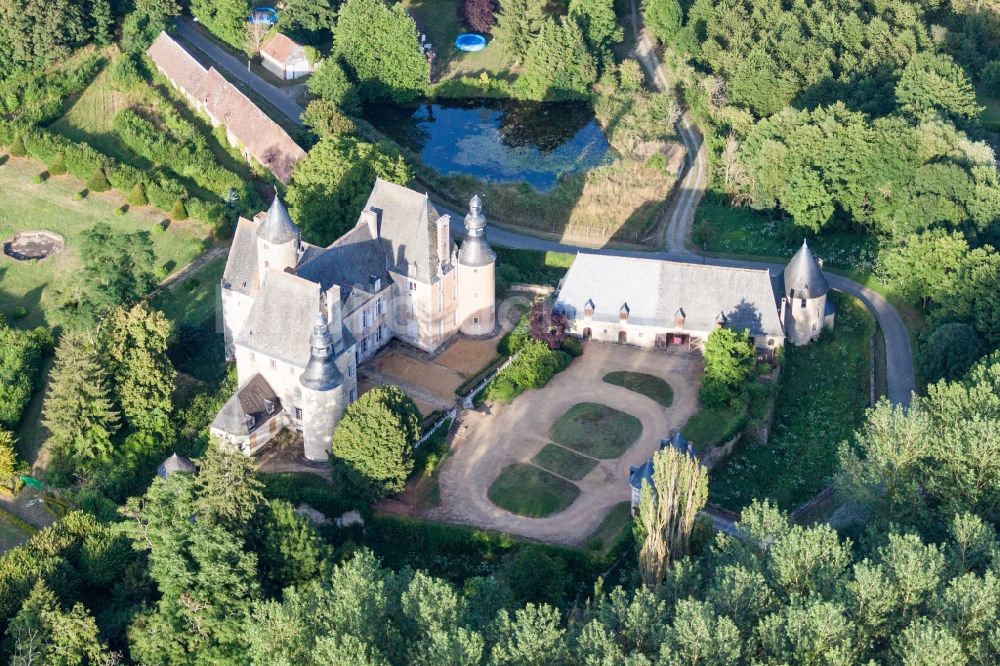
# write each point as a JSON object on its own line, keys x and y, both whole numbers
{"x": 805, "y": 297}
{"x": 278, "y": 240}
{"x": 322, "y": 387}
{"x": 476, "y": 275}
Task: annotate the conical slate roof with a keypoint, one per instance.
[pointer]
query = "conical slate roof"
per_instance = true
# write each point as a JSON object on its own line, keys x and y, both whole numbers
{"x": 321, "y": 373}
{"x": 803, "y": 276}
{"x": 277, "y": 226}
{"x": 475, "y": 250}
{"x": 175, "y": 463}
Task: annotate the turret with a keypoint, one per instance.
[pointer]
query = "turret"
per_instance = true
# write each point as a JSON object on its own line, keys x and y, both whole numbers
{"x": 476, "y": 275}
{"x": 322, "y": 386}
{"x": 278, "y": 240}
{"x": 805, "y": 297}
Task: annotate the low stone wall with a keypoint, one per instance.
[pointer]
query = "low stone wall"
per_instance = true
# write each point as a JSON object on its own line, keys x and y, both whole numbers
{"x": 720, "y": 452}
{"x": 537, "y": 289}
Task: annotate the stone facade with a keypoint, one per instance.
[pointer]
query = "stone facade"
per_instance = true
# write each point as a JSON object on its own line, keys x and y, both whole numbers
{"x": 298, "y": 319}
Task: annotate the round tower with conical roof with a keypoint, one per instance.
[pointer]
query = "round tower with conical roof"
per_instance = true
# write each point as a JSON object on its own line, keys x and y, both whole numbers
{"x": 322, "y": 386}
{"x": 476, "y": 275}
{"x": 804, "y": 307}
{"x": 278, "y": 240}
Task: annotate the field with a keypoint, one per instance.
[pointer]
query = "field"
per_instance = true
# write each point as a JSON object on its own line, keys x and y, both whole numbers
{"x": 564, "y": 462}
{"x": 530, "y": 491}
{"x": 712, "y": 426}
{"x": 596, "y": 430}
{"x": 50, "y": 206}
{"x": 821, "y": 402}
{"x": 643, "y": 384}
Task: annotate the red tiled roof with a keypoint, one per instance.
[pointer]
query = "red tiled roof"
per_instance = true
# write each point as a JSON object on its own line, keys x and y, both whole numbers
{"x": 280, "y": 48}
{"x": 263, "y": 138}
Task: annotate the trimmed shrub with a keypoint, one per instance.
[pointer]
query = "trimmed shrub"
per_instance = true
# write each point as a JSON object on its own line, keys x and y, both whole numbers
{"x": 17, "y": 147}
{"x": 78, "y": 196}
{"x": 98, "y": 182}
{"x": 37, "y": 178}
{"x": 178, "y": 211}
{"x": 137, "y": 197}
{"x": 118, "y": 211}
{"x": 125, "y": 177}
{"x": 57, "y": 166}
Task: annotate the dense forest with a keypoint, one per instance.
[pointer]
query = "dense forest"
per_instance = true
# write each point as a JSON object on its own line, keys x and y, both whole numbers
{"x": 824, "y": 116}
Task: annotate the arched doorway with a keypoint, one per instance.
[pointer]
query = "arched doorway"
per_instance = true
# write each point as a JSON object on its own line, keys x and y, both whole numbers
{"x": 586, "y": 333}
{"x": 622, "y": 337}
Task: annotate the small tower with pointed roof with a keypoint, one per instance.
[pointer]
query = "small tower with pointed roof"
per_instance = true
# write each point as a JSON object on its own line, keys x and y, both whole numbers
{"x": 804, "y": 306}
{"x": 322, "y": 386}
{"x": 278, "y": 240}
{"x": 476, "y": 275}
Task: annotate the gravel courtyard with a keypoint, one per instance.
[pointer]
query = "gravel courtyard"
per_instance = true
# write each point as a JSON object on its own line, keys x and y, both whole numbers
{"x": 515, "y": 433}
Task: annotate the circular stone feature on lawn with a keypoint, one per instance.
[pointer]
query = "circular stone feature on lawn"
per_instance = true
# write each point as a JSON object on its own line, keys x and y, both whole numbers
{"x": 33, "y": 245}
{"x": 648, "y": 385}
{"x": 596, "y": 430}
{"x": 531, "y": 491}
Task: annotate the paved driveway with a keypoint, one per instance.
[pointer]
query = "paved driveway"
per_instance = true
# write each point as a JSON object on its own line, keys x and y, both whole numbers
{"x": 516, "y": 432}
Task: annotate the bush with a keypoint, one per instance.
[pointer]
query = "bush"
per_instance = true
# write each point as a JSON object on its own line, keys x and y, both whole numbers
{"x": 630, "y": 75}
{"x": 534, "y": 366}
{"x": 137, "y": 197}
{"x": 729, "y": 368}
{"x": 57, "y": 166}
{"x": 38, "y": 178}
{"x": 125, "y": 177}
{"x": 124, "y": 73}
{"x": 98, "y": 182}
{"x": 17, "y": 147}
{"x": 78, "y": 196}
{"x": 118, "y": 211}
{"x": 178, "y": 211}
{"x": 573, "y": 347}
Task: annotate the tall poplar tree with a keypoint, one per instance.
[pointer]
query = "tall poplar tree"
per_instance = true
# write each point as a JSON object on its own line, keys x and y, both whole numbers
{"x": 78, "y": 411}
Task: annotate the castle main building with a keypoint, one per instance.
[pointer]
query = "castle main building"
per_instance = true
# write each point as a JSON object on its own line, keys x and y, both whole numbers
{"x": 298, "y": 319}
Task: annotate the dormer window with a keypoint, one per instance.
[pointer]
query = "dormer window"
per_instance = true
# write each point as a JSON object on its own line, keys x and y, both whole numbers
{"x": 623, "y": 313}
{"x": 720, "y": 321}
{"x": 268, "y": 407}
{"x": 679, "y": 317}
{"x": 588, "y": 308}
{"x": 251, "y": 422}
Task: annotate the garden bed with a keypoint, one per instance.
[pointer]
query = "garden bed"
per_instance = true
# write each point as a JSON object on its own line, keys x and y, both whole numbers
{"x": 639, "y": 382}
{"x": 531, "y": 491}
{"x": 564, "y": 462}
{"x": 596, "y": 430}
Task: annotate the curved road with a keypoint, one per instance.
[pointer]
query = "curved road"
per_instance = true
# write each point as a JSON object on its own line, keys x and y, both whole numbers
{"x": 899, "y": 358}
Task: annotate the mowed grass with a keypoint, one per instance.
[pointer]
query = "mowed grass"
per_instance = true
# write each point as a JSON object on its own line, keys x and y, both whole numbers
{"x": 596, "y": 430}
{"x": 821, "y": 402}
{"x": 610, "y": 531}
{"x": 195, "y": 298}
{"x": 438, "y": 19}
{"x": 564, "y": 462}
{"x": 712, "y": 426}
{"x": 643, "y": 384}
{"x": 531, "y": 491}
{"x": 50, "y": 206}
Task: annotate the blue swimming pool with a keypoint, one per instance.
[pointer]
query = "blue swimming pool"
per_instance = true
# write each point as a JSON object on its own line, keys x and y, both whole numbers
{"x": 470, "y": 41}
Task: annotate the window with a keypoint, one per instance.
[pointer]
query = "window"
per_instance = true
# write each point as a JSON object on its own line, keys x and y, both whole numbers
{"x": 274, "y": 364}
{"x": 298, "y": 413}
{"x": 475, "y": 320}
{"x": 378, "y": 334}
{"x": 803, "y": 302}
{"x": 364, "y": 345}
{"x": 364, "y": 318}
{"x": 350, "y": 370}
{"x": 770, "y": 342}
{"x": 379, "y": 307}
{"x": 253, "y": 357}
{"x": 413, "y": 285}
{"x": 267, "y": 264}
{"x": 354, "y": 395}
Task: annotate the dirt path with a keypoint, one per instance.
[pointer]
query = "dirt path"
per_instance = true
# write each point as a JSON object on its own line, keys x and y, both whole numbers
{"x": 515, "y": 433}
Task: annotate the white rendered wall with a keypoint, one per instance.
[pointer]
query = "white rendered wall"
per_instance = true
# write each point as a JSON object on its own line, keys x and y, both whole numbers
{"x": 476, "y": 298}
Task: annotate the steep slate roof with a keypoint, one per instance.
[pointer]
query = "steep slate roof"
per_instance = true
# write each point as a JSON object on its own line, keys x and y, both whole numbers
{"x": 176, "y": 63}
{"x": 406, "y": 226}
{"x": 255, "y": 399}
{"x": 350, "y": 263}
{"x": 654, "y": 290}
{"x": 281, "y": 48}
{"x": 263, "y": 138}
{"x": 174, "y": 464}
{"x": 803, "y": 276}
{"x": 241, "y": 265}
{"x": 281, "y": 318}
{"x": 277, "y": 226}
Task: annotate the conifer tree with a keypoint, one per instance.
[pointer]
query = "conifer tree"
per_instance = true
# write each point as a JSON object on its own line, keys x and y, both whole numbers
{"x": 517, "y": 25}
{"x": 228, "y": 493}
{"x": 136, "y": 344}
{"x": 558, "y": 66}
{"x": 78, "y": 411}
{"x": 137, "y": 197}
{"x": 42, "y": 633}
{"x": 17, "y": 148}
{"x": 8, "y": 457}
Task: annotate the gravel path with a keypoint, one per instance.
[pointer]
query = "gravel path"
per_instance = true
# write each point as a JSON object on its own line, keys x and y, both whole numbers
{"x": 516, "y": 432}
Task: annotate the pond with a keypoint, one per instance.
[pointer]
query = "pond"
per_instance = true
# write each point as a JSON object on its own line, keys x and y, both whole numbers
{"x": 499, "y": 141}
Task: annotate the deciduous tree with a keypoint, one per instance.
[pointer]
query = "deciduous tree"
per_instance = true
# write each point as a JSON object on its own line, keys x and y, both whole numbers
{"x": 330, "y": 83}
{"x": 478, "y": 15}
{"x": 933, "y": 82}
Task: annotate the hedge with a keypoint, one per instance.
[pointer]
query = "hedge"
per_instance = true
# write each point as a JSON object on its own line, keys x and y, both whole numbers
{"x": 14, "y": 521}
{"x": 465, "y": 388}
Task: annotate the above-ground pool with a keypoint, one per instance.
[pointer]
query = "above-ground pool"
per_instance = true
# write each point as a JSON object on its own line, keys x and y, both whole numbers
{"x": 268, "y": 15}
{"x": 470, "y": 41}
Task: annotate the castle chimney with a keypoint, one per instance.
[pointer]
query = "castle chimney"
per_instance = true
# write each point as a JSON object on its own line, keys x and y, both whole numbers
{"x": 444, "y": 241}
{"x": 335, "y": 317}
{"x": 369, "y": 217}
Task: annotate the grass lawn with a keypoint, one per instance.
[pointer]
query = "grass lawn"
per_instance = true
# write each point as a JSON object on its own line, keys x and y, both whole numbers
{"x": 194, "y": 299}
{"x": 533, "y": 266}
{"x": 530, "y": 491}
{"x": 596, "y": 430}
{"x": 640, "y": 382}
{"x": 564, "y": 462}
{"x": 609, "y": 532}
{"x": 712, "y": 426}
{"x": 821, "y": 402}
{"x": 50, "y": 206}
{"x": 438, "y": 19}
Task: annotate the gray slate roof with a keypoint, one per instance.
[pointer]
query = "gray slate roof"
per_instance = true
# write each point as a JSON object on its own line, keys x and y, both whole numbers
{"x": 277, "y": 226}
{"x": 803, "y": 276}
{"x": 255, "y": 399}
{"x": 407, "y": 230}
{"x": 350, "y": 263}
{"x": 174, "y": 464}
{"x": 655, "y": 290}
{"x": 281, "y": 319}
{"x": 241, "y": 265}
